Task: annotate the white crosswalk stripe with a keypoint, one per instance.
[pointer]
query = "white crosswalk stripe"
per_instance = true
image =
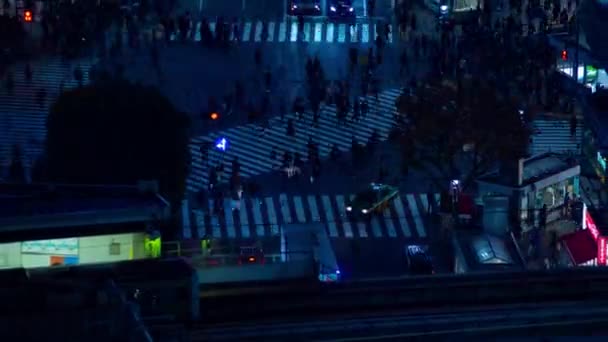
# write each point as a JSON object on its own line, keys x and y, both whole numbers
{"x": 393, "y": 222}
{"x": 288, "y": 31}
{"x": 22, "y": 117}
{"x": 254, "y": 150}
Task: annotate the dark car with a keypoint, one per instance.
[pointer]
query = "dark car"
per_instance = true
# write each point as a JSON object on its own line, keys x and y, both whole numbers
{"x": 304, "y": 7}
{"x": 374, "y": 199}
{"x": 418, "y": 261}
{"x": 340, "y": 9}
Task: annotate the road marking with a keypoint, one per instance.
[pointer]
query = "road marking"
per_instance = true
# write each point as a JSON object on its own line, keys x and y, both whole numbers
{"x": 199, "y": 218}
{"x": 272, "y": 216}
{"x": 186, "y": 227}
{"x": 244, "y": 220}
{"x": 257, "y": 217}
{"x": 405, "y": 228}
{"x": 297, "y": 201}
{"x": 388, "y": 221}
{"x": 354, "y": 32}
{"x": 318, "y": 33}
{"x": 390, "y": 33}
{"x": 361, "y": 227}
{"x": 282, "y": 32}
{"x": 229, "y": 218}
{"x": 331, "y": 222}
{"x": 416, "y": 214}
{"x": 284, "y": 203}
{"x": 258, "y": 31}
{"x": 425, "y": 202}
{"x": 271, "y": 31}
{"x": 216, "y": 232}
{"x": 348, "y": 229}
{"x": 364, "y": 33}
{"x": 246, "y": 32}
{"x": 306, "y": 32}
{"x": 197, "y": 33}
{"x": 341, "y": 33}
{"x": 212, "y": 28}
{"x": 376, "y": 230}
{"x": 294, "y": 32}
{"x": 314, "y": 211}
{"x": 329, "y": 35}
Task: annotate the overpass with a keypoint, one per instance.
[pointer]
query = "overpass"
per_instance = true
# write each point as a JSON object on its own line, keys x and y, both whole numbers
{"x": 306, "y": 298}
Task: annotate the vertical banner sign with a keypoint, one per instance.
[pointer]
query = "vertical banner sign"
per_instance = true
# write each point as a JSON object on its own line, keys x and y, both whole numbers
{"x": 601, "y": 250}
{"x": 591, "y": 226}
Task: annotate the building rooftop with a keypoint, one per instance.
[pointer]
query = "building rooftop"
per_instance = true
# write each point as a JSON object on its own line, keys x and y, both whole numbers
{"x": 44, "y": 206}
{"x": 533, "y": 169}
{"x": 483, "y": 252}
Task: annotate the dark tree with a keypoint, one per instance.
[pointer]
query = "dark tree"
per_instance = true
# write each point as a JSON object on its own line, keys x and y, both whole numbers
{"x": 16, "y": 171}
{"x": 116, "y": 132}
{"x": 449, "y": 135}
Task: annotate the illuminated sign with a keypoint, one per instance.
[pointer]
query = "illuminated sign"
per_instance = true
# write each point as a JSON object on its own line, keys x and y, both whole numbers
{"x": 591, "y": 226}
{"x": 54, "y": 247}
{"x": 221, "y": 144}
{"x": 601, "y": 250}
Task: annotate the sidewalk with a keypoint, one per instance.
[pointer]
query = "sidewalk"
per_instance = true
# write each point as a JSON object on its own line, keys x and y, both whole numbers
{"x": 538, "y": 259}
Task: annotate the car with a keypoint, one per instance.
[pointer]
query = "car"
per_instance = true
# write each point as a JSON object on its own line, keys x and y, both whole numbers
{"x": 304, "y": 7}
{"x": 251, "y": 255}
{"x": 373, "y": 199}
{"x": 418, "y": 261}
{"x": 340, "y": 9}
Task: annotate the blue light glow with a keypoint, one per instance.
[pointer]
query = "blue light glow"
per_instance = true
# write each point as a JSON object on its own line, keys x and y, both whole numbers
{"x": 221, "y": 144}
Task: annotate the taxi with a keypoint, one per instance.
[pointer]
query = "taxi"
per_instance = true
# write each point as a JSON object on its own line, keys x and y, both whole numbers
{"x": 372, "y": 200}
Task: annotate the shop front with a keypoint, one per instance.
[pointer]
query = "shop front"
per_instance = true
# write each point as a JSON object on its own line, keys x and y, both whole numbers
{"x": 588, "y": 246}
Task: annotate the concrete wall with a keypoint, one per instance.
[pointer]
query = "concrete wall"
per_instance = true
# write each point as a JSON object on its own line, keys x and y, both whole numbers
{"x": 257, "y": 272}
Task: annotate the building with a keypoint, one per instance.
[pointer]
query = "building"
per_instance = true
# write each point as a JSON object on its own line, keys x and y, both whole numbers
{"x": 540, "y": 183}
{"x": 49, "y": 225}
{"x": 553, "y": 132}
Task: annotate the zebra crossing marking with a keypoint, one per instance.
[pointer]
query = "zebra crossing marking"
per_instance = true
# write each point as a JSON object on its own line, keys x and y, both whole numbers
{"x": 258, "y": 31}
{"x": 197, "y": 32}
{"x": 416, "y": 215}
{"x": 314, "y": 211}
{"x": 437, "y": 200}
{"x": 244, "y": 220}
{"x": 333, "y": 215}
{"x": 348, "y": 230}
{"x": 282, "y": 32}
{"x": 271, "y": 31}
{"x": 246, "y": 32}
{"x": 318, "y": 32}
{"x": 215, "y": 224}
{"x": 300, "y": 215}
{"x": 199, "y": 218}
{"x": 331, "y": 221}
{"x": 425, "y": 202}
{"x": 294, "y": 32}
{"x": 186, "y": 227}
{"x": 353, "y": 33}
{"x": 401, "y": 215}
{"x": 229, "y": 218}
{"x": 341, "y": 33}
{"x": 257, "y": 217}
{"x": 212, "y": 27}
{"x": 361, "y": 227}
{"x": 389, "y": 222}
{"x": 284, "y": 203}
{"x": 329, "y": 35}
{"x": 254, "y": 151}
{"x": 364, "y": 33}
{"x": 307, "y": 32}
{"x": 390, "y": 34}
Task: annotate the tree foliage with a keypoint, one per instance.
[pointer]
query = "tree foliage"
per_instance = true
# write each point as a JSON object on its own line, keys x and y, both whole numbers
{"x": 116, "y": 132}
{"x": 450, "y": 134}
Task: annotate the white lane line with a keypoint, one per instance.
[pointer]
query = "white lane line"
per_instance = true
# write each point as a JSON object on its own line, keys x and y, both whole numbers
{"x": 258, "y": 31}
{"x": 341, "y": 33}
{"x": 329, "y": 35}
{"x": 282, "y": 32}
{"x": 271, "y": 31}
{"x": 318, "y": 33}
{"x": 284, "y": 203}
{"x": 348, "y": 229}
{"x": 294, "y": 32}
{"x": 246, "y": 32}
{"x": 364, "y": 33}
{"x": 416, "y": 215}
{"x": 300, "y": 215}
{"x": 331, "y": 222}
{"x": 314, "y": 211}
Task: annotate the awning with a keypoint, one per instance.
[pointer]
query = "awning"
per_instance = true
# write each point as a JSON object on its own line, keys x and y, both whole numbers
{"x": 581, "y": 246}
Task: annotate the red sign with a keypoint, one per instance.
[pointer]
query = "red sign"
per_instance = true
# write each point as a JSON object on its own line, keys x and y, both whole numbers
{"x": 591, "y": 226}
{"x": 601, "y": 250}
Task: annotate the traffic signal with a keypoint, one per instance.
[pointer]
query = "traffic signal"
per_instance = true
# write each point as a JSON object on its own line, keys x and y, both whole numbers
{"x": 564, "y": 55}
{"x": 214, "y": 116}
{"x": 27, "y": 16}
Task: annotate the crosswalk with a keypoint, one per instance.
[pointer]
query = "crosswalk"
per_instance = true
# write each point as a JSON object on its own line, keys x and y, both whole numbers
{"x": 312, "y": 32}
{"x": 254, "y": 147}
{"x": 248, "y": 218}
{"x": 22, "y": 118}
